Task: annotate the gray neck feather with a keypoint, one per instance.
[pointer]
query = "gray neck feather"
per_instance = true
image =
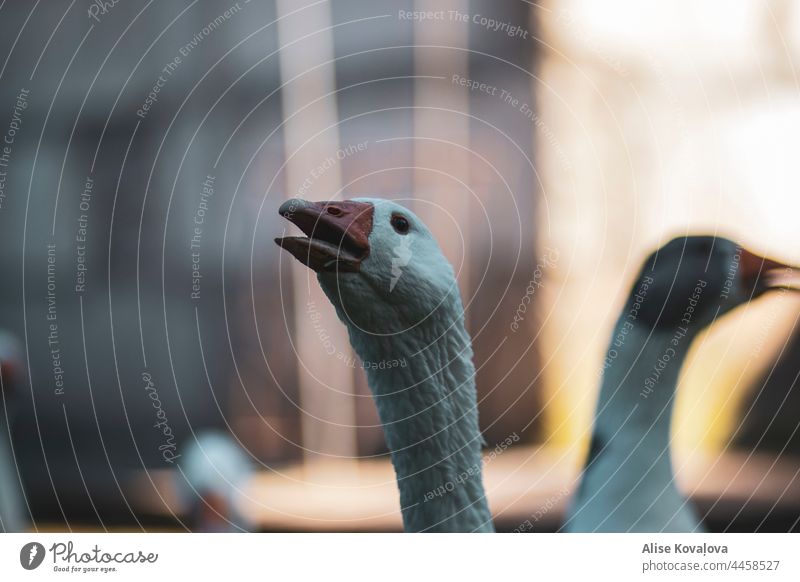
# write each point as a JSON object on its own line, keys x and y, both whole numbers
{"x": 427, "y": 404}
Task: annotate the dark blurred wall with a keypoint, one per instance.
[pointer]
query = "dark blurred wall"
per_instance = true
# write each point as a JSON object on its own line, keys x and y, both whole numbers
{"x": 94, "y": 159}
{"x": 147, "y": 170}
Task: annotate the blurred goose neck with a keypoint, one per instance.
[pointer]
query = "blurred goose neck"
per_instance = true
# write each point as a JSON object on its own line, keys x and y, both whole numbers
{"x": 628, "y": 482}
{"x": 637, "y": 392}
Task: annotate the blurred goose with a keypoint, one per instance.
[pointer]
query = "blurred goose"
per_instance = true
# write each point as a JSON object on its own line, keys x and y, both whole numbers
{"x": 212, "y": 474}
{"x": 394, "y": 290}
{"x": 627, "y": 482}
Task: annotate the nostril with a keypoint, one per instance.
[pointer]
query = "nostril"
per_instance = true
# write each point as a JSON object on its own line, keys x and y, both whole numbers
{"x": 333, "y": 211}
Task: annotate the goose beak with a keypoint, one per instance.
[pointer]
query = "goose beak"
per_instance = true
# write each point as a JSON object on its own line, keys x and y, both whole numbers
{"x": 762, "y": 274}
{"x": 337, "y": 233}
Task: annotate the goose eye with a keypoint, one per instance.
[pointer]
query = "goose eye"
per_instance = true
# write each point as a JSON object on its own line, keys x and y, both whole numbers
{"x": 400, "y": 224}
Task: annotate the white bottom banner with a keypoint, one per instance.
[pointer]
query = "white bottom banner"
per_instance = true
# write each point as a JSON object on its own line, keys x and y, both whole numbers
{"x": 389, "y": 557}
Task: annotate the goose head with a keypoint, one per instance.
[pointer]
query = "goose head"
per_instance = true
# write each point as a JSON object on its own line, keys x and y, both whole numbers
{"x": 692, "y": 280}
{"x": 376, "y": 261}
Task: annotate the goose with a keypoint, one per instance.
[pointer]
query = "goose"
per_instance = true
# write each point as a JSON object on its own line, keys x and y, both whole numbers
{"x": 627, "y": 484}
{"x": 396, "y": 293}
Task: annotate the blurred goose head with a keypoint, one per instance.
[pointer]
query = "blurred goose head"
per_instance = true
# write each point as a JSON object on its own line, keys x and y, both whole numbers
{"x": 693, "y": 280}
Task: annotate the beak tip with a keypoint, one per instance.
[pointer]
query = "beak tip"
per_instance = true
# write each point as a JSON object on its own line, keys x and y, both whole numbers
{"x": 290, "y": 206}
{"x": 765, "y": 273}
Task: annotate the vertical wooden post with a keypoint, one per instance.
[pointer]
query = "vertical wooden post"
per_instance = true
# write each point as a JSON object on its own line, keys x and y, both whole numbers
{"x": 442, "y": 169}
{"x": 323, "y": 349}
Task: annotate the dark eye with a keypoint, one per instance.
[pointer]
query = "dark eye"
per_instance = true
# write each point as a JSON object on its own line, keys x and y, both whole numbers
{"x": 400, "y": 223}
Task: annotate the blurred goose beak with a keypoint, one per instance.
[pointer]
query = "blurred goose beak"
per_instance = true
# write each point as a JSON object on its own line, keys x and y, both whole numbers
{"x": 761, "y": 274}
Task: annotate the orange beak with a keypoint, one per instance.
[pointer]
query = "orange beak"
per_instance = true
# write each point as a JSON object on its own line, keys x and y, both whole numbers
{"x": 762, "y": 274}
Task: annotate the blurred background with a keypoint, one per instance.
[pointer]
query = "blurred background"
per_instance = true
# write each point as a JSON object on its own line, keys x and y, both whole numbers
{"x": 165, "y": 367}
